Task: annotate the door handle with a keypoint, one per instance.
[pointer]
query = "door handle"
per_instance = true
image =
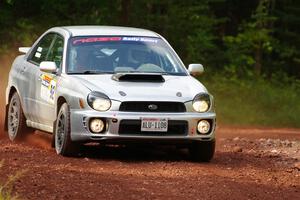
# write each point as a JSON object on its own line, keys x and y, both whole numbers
{"x": 22, "y": 70}
{"x": 40, "y": 77}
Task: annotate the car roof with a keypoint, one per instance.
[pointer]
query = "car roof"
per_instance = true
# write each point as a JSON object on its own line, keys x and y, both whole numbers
{"x": 108, "y": 30}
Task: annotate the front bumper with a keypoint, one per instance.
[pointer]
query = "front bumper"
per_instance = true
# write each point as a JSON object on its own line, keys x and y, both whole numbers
{"x": 80, "y": 126}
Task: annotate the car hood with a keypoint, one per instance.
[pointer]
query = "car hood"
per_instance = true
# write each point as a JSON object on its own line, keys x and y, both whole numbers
{"x": 174, "y": 88}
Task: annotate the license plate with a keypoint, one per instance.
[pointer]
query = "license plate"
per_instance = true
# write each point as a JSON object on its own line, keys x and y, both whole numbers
{"x": 154, "y": 124}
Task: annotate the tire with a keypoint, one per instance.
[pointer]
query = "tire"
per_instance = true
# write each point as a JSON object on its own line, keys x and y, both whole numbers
{"x": 16, "y": 121}
{"x": 202, "y": 151}
{"x": 53, "y": 135}
{"x": 63, "y": 144}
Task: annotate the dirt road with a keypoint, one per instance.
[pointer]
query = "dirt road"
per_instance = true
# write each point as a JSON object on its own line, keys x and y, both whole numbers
{"x": 248, "y": 164}
{"x": 256, "y": 164}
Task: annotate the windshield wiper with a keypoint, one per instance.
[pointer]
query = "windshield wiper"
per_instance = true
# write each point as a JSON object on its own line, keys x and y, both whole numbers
{"x": 91, "y": 72}
{"x": 124, "y": 72}
{"x": 140, "y": 72}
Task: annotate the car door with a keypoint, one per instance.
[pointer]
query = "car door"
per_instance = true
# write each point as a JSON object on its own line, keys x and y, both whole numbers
{"x": 31, "y": 66}
{"x": 46, "y": 83}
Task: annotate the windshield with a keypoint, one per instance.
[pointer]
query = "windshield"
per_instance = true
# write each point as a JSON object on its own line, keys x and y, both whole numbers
{"x": 117, "y": 54}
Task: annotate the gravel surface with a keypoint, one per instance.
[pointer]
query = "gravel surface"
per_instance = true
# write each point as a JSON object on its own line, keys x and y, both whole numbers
{"x": 248, "y": 164}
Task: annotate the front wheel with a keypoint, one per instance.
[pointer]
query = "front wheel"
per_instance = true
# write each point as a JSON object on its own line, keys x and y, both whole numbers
{"x": 62, "y": 139}
{"x": 16, "y": 121}
{"x": 202, "y": 151}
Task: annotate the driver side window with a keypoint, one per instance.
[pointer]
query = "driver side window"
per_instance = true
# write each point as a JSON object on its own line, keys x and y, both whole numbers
{"x": 42, "y": 49}
{"x": 56, "y": 51}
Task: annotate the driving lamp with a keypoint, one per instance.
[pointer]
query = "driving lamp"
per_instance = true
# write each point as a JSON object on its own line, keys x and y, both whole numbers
{"x": 203, "y": 126}
{"x": 96, "y": 125}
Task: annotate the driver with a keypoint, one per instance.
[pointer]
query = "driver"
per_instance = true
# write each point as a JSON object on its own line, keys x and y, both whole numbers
{"x": 82, "y": 59}
{"x": 139, "y": 57}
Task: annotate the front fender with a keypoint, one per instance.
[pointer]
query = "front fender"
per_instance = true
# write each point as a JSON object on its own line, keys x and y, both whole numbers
{"x": 71, "y": 90}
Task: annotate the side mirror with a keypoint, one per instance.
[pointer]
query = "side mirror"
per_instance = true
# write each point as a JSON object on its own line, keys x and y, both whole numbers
{"x": 48, "y": 66}
{"x": 196, "y": 69}
{"x": 24, "y": 49}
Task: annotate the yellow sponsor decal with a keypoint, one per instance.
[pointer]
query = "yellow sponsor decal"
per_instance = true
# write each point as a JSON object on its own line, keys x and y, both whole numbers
{"x": 48, "y": 88}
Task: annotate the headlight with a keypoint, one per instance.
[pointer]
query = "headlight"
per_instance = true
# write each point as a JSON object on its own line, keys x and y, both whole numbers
{"x": 99, "y": 101}
{"x": 201, "y": 102}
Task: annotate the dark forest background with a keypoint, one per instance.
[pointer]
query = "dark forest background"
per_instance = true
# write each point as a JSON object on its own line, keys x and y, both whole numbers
{"x": 249, "y": 48}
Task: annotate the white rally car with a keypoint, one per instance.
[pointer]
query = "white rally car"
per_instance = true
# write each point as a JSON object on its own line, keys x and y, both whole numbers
{"x": 109, "y": 85}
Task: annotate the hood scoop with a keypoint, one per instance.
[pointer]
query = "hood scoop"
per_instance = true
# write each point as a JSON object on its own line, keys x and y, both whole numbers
{"x": 138, "y": 77}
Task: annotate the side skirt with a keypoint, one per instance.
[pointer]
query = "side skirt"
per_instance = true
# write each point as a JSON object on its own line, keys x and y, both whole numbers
{"x": 39, "y": 126}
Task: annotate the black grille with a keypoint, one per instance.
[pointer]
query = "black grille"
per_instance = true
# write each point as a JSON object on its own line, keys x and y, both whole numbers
{"x": 145, "y": 106}
{"x": 133, "y": 127}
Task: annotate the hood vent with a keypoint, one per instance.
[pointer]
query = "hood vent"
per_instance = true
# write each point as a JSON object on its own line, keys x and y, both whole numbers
{"x": 132, "y": 77}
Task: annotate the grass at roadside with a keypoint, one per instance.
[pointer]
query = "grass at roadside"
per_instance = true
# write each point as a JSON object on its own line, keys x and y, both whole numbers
{"x": 6, "y": 188}
{"x": 257, "y": 102}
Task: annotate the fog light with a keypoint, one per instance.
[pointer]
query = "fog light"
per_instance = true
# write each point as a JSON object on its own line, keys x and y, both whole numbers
{"x": 203, "y": 126}
{"x": 96, "y": 125}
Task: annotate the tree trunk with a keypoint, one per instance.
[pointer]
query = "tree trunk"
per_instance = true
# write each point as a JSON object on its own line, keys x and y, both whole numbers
{"x": 258, "y": 56}
{"x": 125, "y": 5}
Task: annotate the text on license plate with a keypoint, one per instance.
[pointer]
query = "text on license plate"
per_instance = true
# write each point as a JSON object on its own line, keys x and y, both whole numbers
{"x": 154, "y": 124}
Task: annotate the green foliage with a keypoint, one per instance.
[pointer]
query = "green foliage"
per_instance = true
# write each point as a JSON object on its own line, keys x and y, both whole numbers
{"x": 246, "y": 49}
{"x": 255, "y": 101}
{"x": 287, "y": 32}
{"x": 244, "y": 37}
{"x": 201, "y": 40}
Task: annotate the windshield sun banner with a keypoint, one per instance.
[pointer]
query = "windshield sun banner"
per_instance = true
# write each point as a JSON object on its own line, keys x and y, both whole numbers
{"x": 79, "y": 41}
